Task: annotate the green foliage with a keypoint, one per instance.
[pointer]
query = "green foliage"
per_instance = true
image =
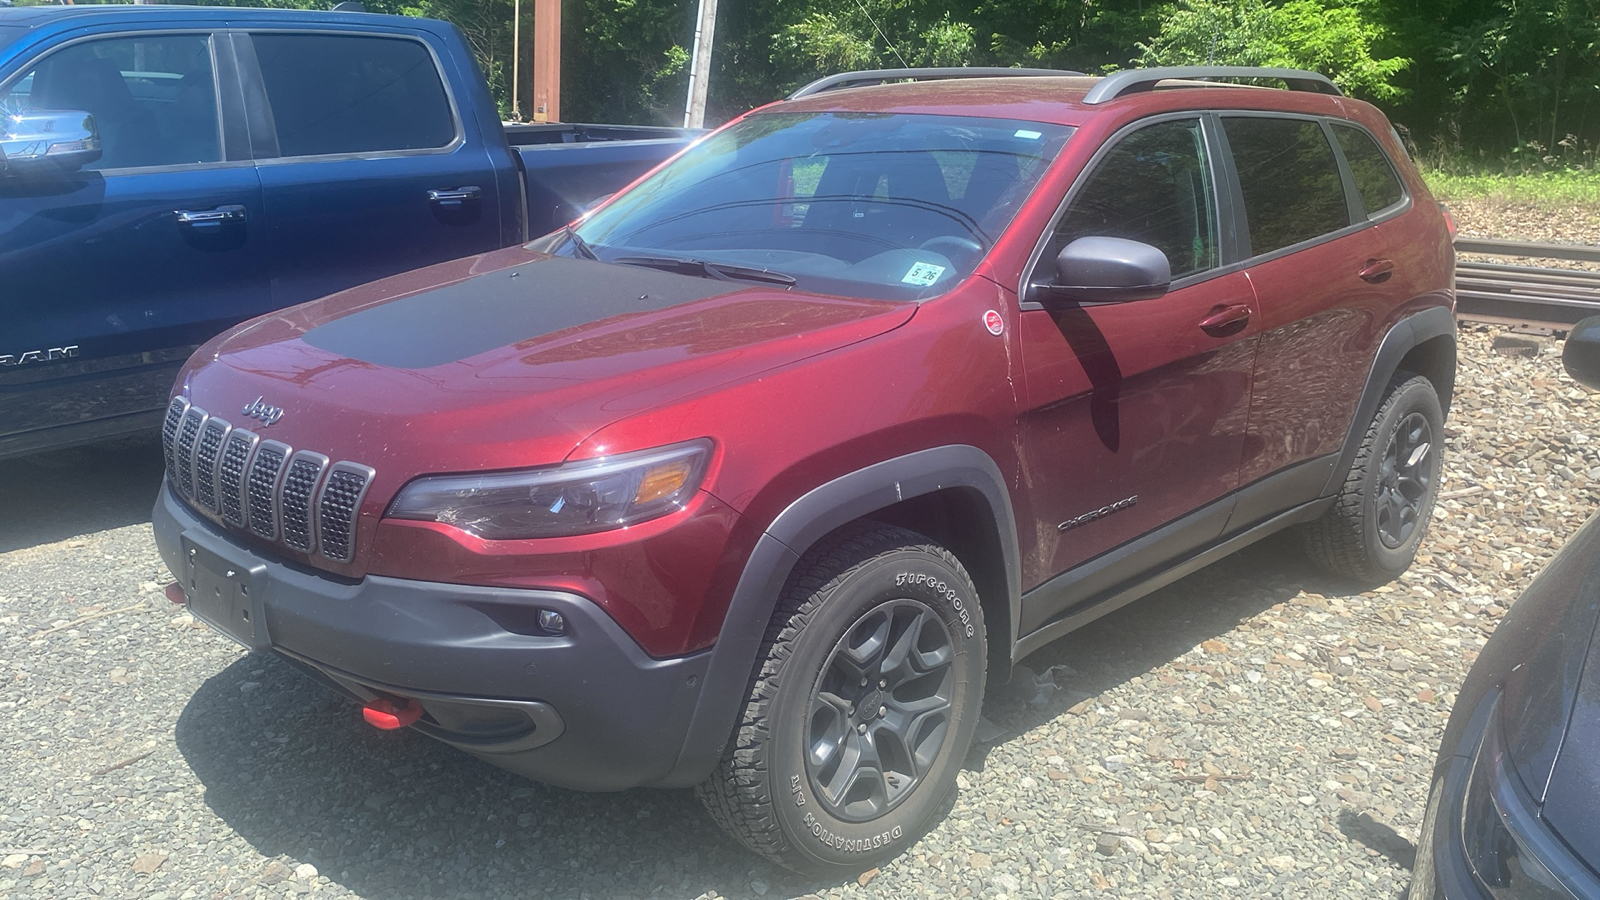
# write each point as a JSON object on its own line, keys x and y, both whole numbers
{"x": 1326, "y": 36}
{"x": 1516, "y": 79}
{"x": 1542, "y": 188}
{"x": 873, "y": 34}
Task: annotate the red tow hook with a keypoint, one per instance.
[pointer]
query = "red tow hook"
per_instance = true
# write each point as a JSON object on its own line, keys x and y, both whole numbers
{"x": 390, "y": 715}
{"x": 174, "y": 592}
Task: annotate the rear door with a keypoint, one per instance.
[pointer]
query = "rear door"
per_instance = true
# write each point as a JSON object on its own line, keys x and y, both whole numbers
{"x": 367, "y": 167}
{"x": 110, "y": 276}
{"x": 1318, "y": 266}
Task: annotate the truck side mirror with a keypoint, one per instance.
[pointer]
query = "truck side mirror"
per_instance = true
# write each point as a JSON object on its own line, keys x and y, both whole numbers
{"x": 1581, "y": 355}
{"x": 1107, "y": 270}
{"x": 47, "y": 140}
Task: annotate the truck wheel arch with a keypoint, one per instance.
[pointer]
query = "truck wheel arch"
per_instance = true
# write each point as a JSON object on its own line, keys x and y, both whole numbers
{"x": 1423, "y": 343}
{"x": 958, "y": 470}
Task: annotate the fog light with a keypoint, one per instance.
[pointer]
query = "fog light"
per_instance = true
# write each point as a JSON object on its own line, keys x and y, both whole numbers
{"x": 552, "y": 621}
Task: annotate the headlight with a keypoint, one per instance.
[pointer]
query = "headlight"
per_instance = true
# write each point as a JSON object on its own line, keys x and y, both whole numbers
{"x": 576, "y": 498}
{"x": 1505, "y": 843}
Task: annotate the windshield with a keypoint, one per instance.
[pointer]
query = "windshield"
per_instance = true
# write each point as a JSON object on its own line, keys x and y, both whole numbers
{"x": 869, "y": 205}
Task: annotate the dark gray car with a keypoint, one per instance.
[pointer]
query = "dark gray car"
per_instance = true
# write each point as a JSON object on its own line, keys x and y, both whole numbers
{"x": 1515, "y": 807}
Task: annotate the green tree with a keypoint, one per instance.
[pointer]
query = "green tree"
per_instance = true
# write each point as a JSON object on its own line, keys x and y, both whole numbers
{"x": 1325, "y": 36}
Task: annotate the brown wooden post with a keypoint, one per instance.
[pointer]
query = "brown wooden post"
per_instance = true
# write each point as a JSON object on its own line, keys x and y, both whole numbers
{"x": 547, "y": 60}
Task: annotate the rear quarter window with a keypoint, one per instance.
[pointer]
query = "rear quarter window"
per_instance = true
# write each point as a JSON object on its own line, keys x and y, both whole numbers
{"x": 1374, "y": 175}
{"x": 333, "y": 93}
{"x": 1290, "y": 180}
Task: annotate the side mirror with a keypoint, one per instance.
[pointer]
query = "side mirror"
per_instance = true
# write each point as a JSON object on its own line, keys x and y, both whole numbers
{"x": 47, "y": 140}
{"x": 1581, "y": 355}
{"x": 1107, "y": 270}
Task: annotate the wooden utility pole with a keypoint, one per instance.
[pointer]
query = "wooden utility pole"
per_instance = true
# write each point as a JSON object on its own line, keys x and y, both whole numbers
{"x": 547, "y": 60}
{"x": 516, "y": 58}
{"x": 694, "y": 113}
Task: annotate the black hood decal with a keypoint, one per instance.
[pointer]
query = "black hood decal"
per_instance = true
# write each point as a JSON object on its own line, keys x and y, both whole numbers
{"x": 487, "y": 311}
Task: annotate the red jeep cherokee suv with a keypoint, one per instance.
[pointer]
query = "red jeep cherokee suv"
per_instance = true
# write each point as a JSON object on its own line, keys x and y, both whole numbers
{"x": 751, "y": 478}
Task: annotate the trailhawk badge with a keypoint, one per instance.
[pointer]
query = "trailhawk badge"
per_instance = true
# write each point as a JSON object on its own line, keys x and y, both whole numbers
{"x": 266, "y": 413}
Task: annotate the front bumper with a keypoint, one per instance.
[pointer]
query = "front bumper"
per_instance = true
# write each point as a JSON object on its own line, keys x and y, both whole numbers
{"x": 586, "y": 709}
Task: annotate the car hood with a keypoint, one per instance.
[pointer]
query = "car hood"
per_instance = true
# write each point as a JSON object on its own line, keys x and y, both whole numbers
{"x": 1572, "y": 802}
{"x": 507, "y": 359}
{"x": 1551, "y": 704}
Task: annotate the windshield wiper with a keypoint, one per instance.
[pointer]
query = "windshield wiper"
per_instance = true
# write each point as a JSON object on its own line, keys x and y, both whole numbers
{"x": 704, "y": 268}
{"x": 581, "y": 245}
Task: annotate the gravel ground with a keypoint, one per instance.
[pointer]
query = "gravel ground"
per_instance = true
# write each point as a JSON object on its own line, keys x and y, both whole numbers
{"x": 1255, "y": 730}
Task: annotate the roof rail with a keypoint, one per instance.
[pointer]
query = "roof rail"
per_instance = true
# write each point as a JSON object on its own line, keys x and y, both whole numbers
{"x": 878, "y": 76}
{"x": 1132, "y": 81}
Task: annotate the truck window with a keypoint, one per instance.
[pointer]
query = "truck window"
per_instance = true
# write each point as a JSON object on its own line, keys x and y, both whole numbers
{"x": 152, "y": 97}
{"x": 1153, "y": 186}
{"x": 1289, "y": 178}
{"x": 353, "y": 94}
{"x": 1375, "y": 180}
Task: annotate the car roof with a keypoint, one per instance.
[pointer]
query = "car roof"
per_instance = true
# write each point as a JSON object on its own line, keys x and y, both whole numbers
{"x": 35, "y": 16}
{"x": 1057, "y": 100}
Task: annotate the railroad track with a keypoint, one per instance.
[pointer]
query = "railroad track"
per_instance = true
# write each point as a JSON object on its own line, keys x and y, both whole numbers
{"x": 1531, "y": 296}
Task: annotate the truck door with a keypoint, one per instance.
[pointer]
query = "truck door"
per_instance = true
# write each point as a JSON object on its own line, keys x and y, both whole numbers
{"x": 1136, "y": 411}
{"x": 111, "y": 275}
{"x": 367, "y": 167}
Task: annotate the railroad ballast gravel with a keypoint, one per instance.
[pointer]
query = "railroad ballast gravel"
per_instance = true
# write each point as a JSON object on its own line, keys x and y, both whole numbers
{"x": 1254, "y": 730}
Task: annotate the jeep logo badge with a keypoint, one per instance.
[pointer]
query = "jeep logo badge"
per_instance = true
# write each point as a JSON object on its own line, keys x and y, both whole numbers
{"x": 268, "y": 414}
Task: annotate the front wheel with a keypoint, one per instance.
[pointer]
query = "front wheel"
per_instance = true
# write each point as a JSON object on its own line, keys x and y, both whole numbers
{"x": 862, "y": 708}
{"x": 1372, "y": 532}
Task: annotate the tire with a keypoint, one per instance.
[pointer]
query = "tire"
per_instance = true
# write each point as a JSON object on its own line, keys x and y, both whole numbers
{"x": 1372, "y": 532}
{"x": 792, "y": 785}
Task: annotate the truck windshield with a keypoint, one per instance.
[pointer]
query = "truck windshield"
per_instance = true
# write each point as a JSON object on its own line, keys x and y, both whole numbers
{"x": 859, "y": 204}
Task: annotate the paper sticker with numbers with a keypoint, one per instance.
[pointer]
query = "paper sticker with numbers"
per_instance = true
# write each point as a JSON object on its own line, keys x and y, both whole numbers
{"x": 923, "y": 274}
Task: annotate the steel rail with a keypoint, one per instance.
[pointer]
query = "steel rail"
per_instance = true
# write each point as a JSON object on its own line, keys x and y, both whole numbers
{"x": 1528, "y": 295}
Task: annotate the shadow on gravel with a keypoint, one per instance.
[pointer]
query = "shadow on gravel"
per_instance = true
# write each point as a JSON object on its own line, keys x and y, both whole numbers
{"x": 67, "y": 493}
{"x": 290, "y": 768}
{"x": 1153, "y": 631}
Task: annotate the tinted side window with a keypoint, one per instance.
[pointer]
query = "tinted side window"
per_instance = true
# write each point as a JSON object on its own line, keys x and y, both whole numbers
{"x": 1290, "y": 180}
{"x": 152, "y": 97}
{"x": 1375, "y": 179}
{"x": 1153, "y": 186}
{"x": 352, "y": 94}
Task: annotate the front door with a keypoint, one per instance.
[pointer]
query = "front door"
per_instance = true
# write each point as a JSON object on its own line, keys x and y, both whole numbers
{"x": 366, "y": 168}
{"x": 112, "y": 275}
{"x": 1136, "y": 411}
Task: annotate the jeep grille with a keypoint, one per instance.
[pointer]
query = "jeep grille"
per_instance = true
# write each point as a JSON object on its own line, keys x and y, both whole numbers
{"x": 266, "y": 487}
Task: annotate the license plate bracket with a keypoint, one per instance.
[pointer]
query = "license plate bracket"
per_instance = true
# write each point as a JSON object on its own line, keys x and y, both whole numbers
{"x": 226, "y": 595}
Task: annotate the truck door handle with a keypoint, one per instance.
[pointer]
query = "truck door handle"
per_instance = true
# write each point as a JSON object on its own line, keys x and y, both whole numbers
{"x": 1226, "y": 320}
{"x": 202, "y": 218}
{"x": 1377, "y": 271}
{"x": 456, "y": 196}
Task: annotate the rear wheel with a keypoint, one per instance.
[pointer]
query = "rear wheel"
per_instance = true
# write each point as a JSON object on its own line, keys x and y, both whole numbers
{"x": 1372, "y": 532}
{"x": 862, "y": 708}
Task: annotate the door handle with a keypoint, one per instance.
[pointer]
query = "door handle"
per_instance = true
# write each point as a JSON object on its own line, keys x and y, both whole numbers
{"x": 1226, "y": 320}
{"x": 456, "y": 196}
{"x": 210, "y": 217}
{"x": 1377, "y": 271}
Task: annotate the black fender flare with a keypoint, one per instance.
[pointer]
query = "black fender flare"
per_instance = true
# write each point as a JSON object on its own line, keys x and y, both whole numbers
{"x": 1403, "y": 337}
{"x": 800, "y": 525}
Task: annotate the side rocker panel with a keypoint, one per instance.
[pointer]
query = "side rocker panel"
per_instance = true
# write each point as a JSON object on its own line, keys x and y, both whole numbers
{"x": 800, "y": 525}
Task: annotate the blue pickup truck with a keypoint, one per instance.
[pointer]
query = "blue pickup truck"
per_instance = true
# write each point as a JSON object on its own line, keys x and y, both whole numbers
{"x": 168, "y": 172}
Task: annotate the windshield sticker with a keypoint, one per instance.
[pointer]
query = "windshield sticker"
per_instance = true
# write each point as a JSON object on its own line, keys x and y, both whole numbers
{"x": 1029, "y": 135}
{"x": 923, "y": 274}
